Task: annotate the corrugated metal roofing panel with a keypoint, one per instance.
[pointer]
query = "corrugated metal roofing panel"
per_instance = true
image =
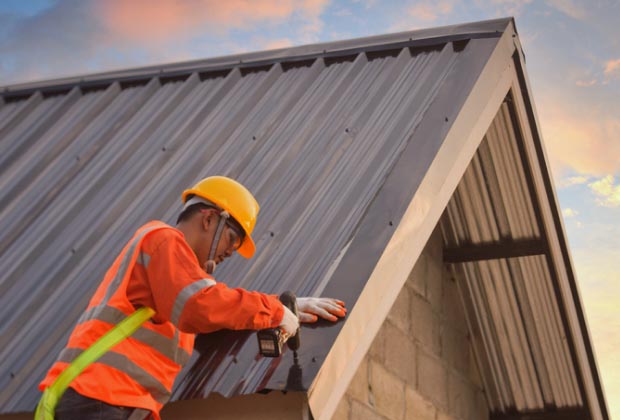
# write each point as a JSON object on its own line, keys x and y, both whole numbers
{"x": 313, "y": 140}
{"x": 512, "y": 301}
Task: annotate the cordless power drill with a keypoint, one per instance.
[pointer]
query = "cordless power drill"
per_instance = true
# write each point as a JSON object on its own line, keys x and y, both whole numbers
{"x": 271, "y": 340}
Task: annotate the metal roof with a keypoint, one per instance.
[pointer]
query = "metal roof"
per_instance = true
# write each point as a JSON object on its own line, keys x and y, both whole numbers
{"x": 333, "y": 139}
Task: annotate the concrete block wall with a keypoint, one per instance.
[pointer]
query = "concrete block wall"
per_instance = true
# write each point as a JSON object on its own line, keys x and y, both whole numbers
{"x": 420, "y": 366}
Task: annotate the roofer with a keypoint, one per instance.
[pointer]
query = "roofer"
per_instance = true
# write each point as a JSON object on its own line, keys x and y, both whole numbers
{"x": 160, "y": 268}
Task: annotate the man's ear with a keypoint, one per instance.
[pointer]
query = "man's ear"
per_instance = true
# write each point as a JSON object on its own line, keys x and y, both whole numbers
{"x": 207, "y": 218}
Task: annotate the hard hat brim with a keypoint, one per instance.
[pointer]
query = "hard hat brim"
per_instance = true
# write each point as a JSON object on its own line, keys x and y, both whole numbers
{"x": 247, "y": 248}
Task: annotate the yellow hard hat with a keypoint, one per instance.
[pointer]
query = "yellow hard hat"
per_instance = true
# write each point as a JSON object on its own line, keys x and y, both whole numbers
{"x": 233, "y": 197}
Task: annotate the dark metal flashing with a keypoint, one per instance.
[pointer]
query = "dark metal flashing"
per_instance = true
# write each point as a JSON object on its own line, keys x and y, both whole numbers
{"x": 332, "y": 50}
{"x": 549, "y": 413}
{"x": 493, "y": 251}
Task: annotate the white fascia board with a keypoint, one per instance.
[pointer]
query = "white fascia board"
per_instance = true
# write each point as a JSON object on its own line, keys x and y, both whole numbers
{"x": 419, "y": 220}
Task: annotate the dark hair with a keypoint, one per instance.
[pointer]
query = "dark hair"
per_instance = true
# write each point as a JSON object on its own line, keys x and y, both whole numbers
{"x": 195, "y": 208}
{"x": 190, "y": 211}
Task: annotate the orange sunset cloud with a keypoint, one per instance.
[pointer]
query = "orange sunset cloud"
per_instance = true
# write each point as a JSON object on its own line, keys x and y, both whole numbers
{"x": 583, "y": 143}
{"x": 612, "y": 68}
{"x": 149, "y": 21}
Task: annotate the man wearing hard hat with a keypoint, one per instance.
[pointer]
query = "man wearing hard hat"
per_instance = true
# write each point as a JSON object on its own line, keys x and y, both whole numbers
{"x": 169, "y": 270}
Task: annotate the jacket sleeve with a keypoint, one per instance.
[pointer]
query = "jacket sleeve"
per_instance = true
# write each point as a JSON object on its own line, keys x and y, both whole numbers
{"x": 187, "y": 296}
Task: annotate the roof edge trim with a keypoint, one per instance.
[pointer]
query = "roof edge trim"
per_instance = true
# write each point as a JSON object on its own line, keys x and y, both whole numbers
{"x": 417, "y": 38}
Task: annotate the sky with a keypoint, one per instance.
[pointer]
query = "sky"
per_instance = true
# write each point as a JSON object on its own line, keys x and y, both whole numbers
{"x": 572, "y": 51}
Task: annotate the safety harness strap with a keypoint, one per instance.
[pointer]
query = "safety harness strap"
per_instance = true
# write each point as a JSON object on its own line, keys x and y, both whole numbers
{"x": 51, "y": 395}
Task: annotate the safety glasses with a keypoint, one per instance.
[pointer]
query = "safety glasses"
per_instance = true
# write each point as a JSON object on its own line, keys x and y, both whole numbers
{"x": 236, "y": 235}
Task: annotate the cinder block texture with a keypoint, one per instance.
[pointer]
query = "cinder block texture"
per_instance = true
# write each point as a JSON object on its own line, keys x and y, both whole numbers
{"x": 421, "y": 365}
{"x": 418, "y": 408}
{"x": 358, "y": 389}
{"x": 388, "y": 391}
{"x": 400, "y": 355}
{"x": 452, "y": 311}
{"x": 362, "y": 411}
{"x": 432, "y": 379}
{"x": 455, "y": 348}
{"x": 425, "y": 324}
{"x": 400, "y": 314}
{"x": 462, "y": 397}
{"x": 444, "y": 416}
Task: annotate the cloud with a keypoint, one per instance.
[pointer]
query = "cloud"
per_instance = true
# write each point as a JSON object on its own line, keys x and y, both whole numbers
{"x": 510, "y": 7}
{"x": 367, "y": 3}
{"x": 582, "y": 141}
{"x": 61, "y": 40}
{"x": 153, "y": 21}
{"x": 568, "y": 212}
{"x": 430, "y": 11}
{"x": 595, "y": 251}
{"x": 343, "y": 12}
{"x": 277, "y": 43}
{"x": 586, "y": 83}
{"x": 312, "y": 24}
{"x": 573, "y": 180}
{"x": 82, "y": 36}
{"x": 612, "y": 68}
{"x": 569, "y": 7}
{"x": 607, "y": 191}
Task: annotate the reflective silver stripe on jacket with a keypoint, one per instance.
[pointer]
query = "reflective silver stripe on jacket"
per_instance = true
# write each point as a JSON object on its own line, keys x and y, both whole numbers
{"x": 168, "y": 347}
{"x": 143, "y": 259}
{"x": 122, "y": 269}
{"x": 185, "y": 294}
{"x": 122, "y": 363}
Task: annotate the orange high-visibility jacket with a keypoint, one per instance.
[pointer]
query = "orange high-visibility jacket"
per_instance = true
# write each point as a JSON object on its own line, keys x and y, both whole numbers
{"x": 158, "y": 269}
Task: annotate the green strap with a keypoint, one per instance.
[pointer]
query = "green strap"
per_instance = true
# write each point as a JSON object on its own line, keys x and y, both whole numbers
{"x": 125, "y": 328}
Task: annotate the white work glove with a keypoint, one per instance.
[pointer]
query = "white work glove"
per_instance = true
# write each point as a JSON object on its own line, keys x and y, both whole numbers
{"x": 311, "y": 308}
{"x": 290, "y": 323}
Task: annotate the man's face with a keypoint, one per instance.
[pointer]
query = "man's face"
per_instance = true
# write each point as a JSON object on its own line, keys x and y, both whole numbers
{"x": 229, "y": 241}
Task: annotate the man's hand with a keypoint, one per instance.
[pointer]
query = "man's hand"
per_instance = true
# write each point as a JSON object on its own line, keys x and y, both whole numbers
{"x": 311, "y": 308}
